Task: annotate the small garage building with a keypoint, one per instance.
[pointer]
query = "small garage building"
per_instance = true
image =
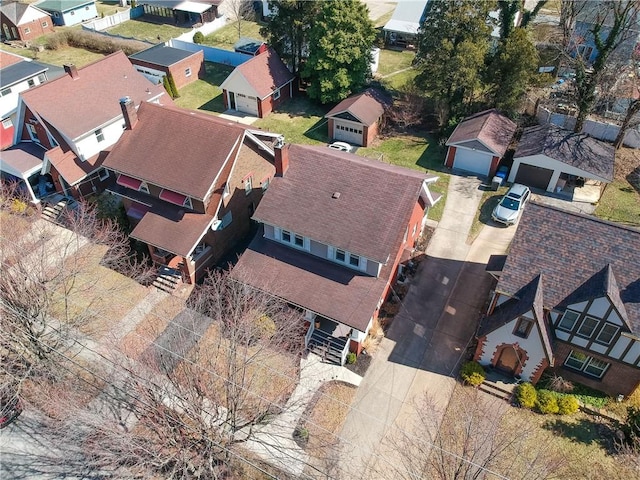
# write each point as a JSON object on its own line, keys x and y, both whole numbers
{"x": 479, "y": 142}
{"x": 557, "y": 160}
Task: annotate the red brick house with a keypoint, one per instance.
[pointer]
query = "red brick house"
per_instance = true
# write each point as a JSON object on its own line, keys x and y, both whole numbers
{"x": 479, "y": 142}
{"x": 258, "y": 85}
{"x": 160, "y": 60}
{"x": 356, "y": 119}
{"x": 334, "y": 229}
{"x": 74, "y": 120}
{"x": 189, "y": 182}
{"x": 567, "y": 298}
{"x": 23, "y": 21}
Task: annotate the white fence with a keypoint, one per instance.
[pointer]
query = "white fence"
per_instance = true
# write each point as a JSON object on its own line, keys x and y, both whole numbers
{"x": 108, "y": 21}
{"x": 599, "y": 130}
{"x": 206, "y": 29}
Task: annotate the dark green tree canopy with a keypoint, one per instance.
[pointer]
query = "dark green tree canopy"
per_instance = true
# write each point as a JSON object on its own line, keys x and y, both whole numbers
{"x": 340, "y": 43}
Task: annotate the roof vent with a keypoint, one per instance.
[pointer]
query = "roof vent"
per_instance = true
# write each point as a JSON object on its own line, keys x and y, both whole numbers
{"x": 335, "y": 195}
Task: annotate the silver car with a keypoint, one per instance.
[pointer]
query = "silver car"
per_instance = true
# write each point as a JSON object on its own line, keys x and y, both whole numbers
{"x": 511, "y": 205}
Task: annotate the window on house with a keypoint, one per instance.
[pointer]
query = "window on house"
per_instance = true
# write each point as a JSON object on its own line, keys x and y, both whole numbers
{"x": 523, "y": 327}
{"x": 285, "y": 236}
{"x": 576, "y": 360}
{"x": 45, "y": 24}
{"x": 7, "y": 123}
{"x": 99, "y": 135}
{"x": 276, "y": 94}
{"x": 56, "y": 14}
{"x": 587, "y": 327}
{"x": 187, "y": 72}
{"x": 27, "y": 30}
{"x": 144, "y": 187}
{"x": 103, "y": 174}
{"x": 265, "y": 184}
{"x": 187, "y": 203}
{"x": 341, "y": 255}
{"x": 568, "y": 320}
{"x": 607, "y": 334}
{"x": 596, "y": 367}
{"x": 4, "y": 92}
{"x": 585, "y": 363}
{"x": 354, "y": 260}
{"x": 42, "y": 78}
{"x": 31, "y": 83}
{"x": 298, "y": 240}
{"x": 248, "y": 185}
{"x": 227, "y": 219}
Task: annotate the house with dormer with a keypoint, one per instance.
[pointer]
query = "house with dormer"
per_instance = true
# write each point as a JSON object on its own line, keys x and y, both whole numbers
{"x": 189, "y": 183}
{"x": 567, "y": 299}
{"x": 74, "y": 120}
{"x": 334, "y": 230}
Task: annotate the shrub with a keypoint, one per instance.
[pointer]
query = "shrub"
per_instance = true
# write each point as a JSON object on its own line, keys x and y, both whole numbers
{"x": 568, "y": 405}
{"x": 57, "y": 40}
{"x": 198, "y": 37}
{"x": 351, "y": 358}
{"x": 526, "y": 395}
{"x": 472, "y": 373}
{"x": 559, "y": 384}
{"x": 547, "y": 402}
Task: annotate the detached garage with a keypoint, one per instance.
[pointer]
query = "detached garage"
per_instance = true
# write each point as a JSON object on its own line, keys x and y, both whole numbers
{"x": 573, "y": 165}
{"x": 479, "y": 142}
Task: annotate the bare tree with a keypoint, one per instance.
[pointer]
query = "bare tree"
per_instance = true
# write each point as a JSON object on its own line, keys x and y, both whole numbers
{"x": 475, "y": 438}
{"x": 239, "y": 10}
{"x": 408, "y": 109}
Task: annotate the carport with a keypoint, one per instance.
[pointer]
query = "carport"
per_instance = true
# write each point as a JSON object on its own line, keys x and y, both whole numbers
{"x": 573, "y": 165}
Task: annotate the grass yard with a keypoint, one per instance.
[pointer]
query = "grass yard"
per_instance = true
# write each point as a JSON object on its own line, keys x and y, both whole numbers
{"x": 490, "y": 199}
{"x": 147, "y": 31}
{"x": 205, "y": 94}
{"x": 108, "y": 7}
{"x": 77, "y": 56}
{"x": 299, "y": 120}
{"x": 397, "y": 81}
{"x": 394, "y": 61}
{"x": 620, "y": 203}
{"x": 227, "y": 36}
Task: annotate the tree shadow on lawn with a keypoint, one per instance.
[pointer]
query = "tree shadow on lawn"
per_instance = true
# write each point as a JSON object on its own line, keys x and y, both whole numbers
{"x": 216, "y": 73}
{"x": 318, "y": 131}
{"x": 585, "y": 431}
{"x": 487, "y": 208}
{"x": 216, "y": 104}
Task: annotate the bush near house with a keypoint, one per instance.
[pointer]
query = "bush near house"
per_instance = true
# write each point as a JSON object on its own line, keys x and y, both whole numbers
{"x": 568, "y": 405}
{"x": 198, "y": 37}
{"x": 472, "y": 373}
{"x": 526, "y": 395}
{"x": 93, "y": 42}
{"x": 547, "y": 402}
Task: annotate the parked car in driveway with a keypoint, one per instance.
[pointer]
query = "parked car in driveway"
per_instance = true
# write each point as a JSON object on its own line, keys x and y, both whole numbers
{"x": 10, "y": 409}
{"x": 510, "y": 208}
{"x": 342, "y": 146}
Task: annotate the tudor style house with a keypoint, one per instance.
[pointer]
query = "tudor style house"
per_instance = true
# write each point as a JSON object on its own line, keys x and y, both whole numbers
{"x": 567, "y": 298}
{"x": 189, "y": 200}
{"x": 73, "y": 122}
{"x": 334, "y": 229}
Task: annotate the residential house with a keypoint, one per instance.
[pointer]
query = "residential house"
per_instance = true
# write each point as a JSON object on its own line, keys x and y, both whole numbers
{"x": 258, "y": 85}
{"x": 479, "y": 142}
{"x": 402, "y": 29}
{"x": 567, "y": 298}
{"x": 23, "y": 21}
{"x": 334, "y": 230}
{"x": 571, "y": 164}
{"x": 69, "y": 12}
{"x": 161, "y": 60}
{"x": 183, "y": 12}
{"x": 189, "y": 183}
{"x": 18, "y": 74}
{"x": 76, "y": 119}
{"x": 356, "y": 119}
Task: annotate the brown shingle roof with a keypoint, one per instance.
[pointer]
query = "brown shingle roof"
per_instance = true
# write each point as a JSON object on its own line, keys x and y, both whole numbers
{"x": 493, "y": 129}
{"x": 265, "y": 72}
{"x": 7, "y": 59}
{"x": 71, "y": 167}
{"x": 78, "y": 106}
{"x": 175, "y": 148}
{"x": 373, "y": 208}
{"x": 576, "y": 149}
{"x": 569, "y": 249}
{"x": 367, "y": 106}
{"x": 331, "y": 290}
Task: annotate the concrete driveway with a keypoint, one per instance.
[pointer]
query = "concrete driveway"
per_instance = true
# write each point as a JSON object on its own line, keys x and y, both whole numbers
{"x": 430, "y": 335}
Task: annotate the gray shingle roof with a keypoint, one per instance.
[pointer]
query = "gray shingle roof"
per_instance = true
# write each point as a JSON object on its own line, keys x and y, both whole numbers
{"x": 162, "y": 55}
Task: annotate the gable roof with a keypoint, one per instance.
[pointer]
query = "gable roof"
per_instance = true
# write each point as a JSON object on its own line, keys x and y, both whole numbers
{"x": 20, "y": 13}
{"x": 177, "y": 149}
{"x": 372, "y": 211}
{"x": 265, "y": 73}
{"x": 162, "y": 55}
{"x": 91, "y": 98}
{"x": 367, "y": 106}
{"x": 569, "y": 249}
{"x": 490, "y": 127}
{"x": 576, "y": 149}
{"x": 7, "y": 59}
{"x": 407, "y": 16}
{"x": 19, "y": 71}
{"x": 62, "y": 5}
{"x": 71, "y": 167}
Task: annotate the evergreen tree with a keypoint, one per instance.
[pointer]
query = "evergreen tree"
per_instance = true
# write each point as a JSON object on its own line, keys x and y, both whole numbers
{"x": 340, "y": 43}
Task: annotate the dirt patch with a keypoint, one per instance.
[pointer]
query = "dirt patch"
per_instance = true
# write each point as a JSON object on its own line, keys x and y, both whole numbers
{"x": 628, "y": 163}
{"x": 361, "y": 365}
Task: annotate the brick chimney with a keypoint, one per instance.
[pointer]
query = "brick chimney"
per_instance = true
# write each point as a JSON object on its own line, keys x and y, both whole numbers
{"x": 281, "y": 151}
{"x": 71, "y": 70}
{"x": 129, "y": 113}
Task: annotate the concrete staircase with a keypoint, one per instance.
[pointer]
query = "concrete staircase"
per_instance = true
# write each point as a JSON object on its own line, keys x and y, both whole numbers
{"x": 53, "y": 211}
{"x": 499, "y": 385}
{"x": 168, "y": 279}
{"x": 327, "y": 347}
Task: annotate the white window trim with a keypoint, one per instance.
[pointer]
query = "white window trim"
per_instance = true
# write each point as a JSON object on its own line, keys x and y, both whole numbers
{"x": 103, "y": 174}
{"x": 584, "y": 320}
{"x": 187, "y": 203}
{"x": 607, "y": 324}
{"x": 27, "y": 30}
{"x": 7, "y": 123}
{"x": 226, "y": 192}
{"x": 572, "y": 325}
{"x": 588, "y": 361}
{"x": 248, "y": 185}
{"x": 279, "y": 235}
{"x": 276, "y": 94}
{"x": 187, "y": 72}
{"x": 589, "y": 364}
{"x": 143, "y": 187}
{"x": 332, "y": 254}
{"x": 99, "y": 135}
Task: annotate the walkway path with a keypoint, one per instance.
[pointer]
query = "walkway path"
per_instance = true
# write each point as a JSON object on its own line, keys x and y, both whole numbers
{"x": 428, "y": 338}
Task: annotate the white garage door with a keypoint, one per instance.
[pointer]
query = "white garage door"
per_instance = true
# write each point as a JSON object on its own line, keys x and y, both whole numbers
{"x": 246, "y": 104}
{"x": 349, "y": 133}
{"x": 472, "y": 161}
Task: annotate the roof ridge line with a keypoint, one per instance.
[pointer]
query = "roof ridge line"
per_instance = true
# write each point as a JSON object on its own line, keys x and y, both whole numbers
{"x": 588, "y": 217}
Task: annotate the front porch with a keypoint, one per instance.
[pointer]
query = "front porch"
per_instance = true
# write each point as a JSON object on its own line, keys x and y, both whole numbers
{"x": 499, "y": 384}
{"x": 328, "y": 339}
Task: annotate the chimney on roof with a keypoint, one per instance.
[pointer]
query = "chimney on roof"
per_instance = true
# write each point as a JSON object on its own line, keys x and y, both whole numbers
{"x": 281, "y": 151}
{"x": 129, "y": 113}
{"x": 71, "y": 70}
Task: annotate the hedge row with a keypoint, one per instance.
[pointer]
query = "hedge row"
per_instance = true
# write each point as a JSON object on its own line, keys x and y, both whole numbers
{"x": 546, "y": 401}
{"x": 92, "y": 41}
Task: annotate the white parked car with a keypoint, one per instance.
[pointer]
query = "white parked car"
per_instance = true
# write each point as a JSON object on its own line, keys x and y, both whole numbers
{"x": 342, "y": 146}
{"x": 511, "y": 205}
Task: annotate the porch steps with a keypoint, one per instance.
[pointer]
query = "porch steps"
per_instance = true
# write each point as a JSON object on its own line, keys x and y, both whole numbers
{"x": 327, "y": 347}
{"x": 497, "y": 390}
{"x": 53, "y": 212}
{"x": 167, "y": 280}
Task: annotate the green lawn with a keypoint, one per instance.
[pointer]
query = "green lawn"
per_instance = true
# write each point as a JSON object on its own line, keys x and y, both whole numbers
{"x": 393, "y": 61}
{"x": 77, "y": 56}
{"x": 227, "y": 36}
{"x": 147, "y": 31}
{"x": 108, "y": 7}
{"x": 620, "y": 203}
{"x": 205, "y": 94}
{"x": 397, "y": 81}
{"x": 299, "y": 120}
{"x": 490, "y": 199}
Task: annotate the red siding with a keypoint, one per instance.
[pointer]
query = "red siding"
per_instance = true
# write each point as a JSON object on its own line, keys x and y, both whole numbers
{"x": 35, "y": 28}
{"x": 195, "y": 62}
{"x": 494, "y": 166}
{"x": 266, "y": 106}
{"x": 451, "y": 154}
{"x": 6, "y": 136}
